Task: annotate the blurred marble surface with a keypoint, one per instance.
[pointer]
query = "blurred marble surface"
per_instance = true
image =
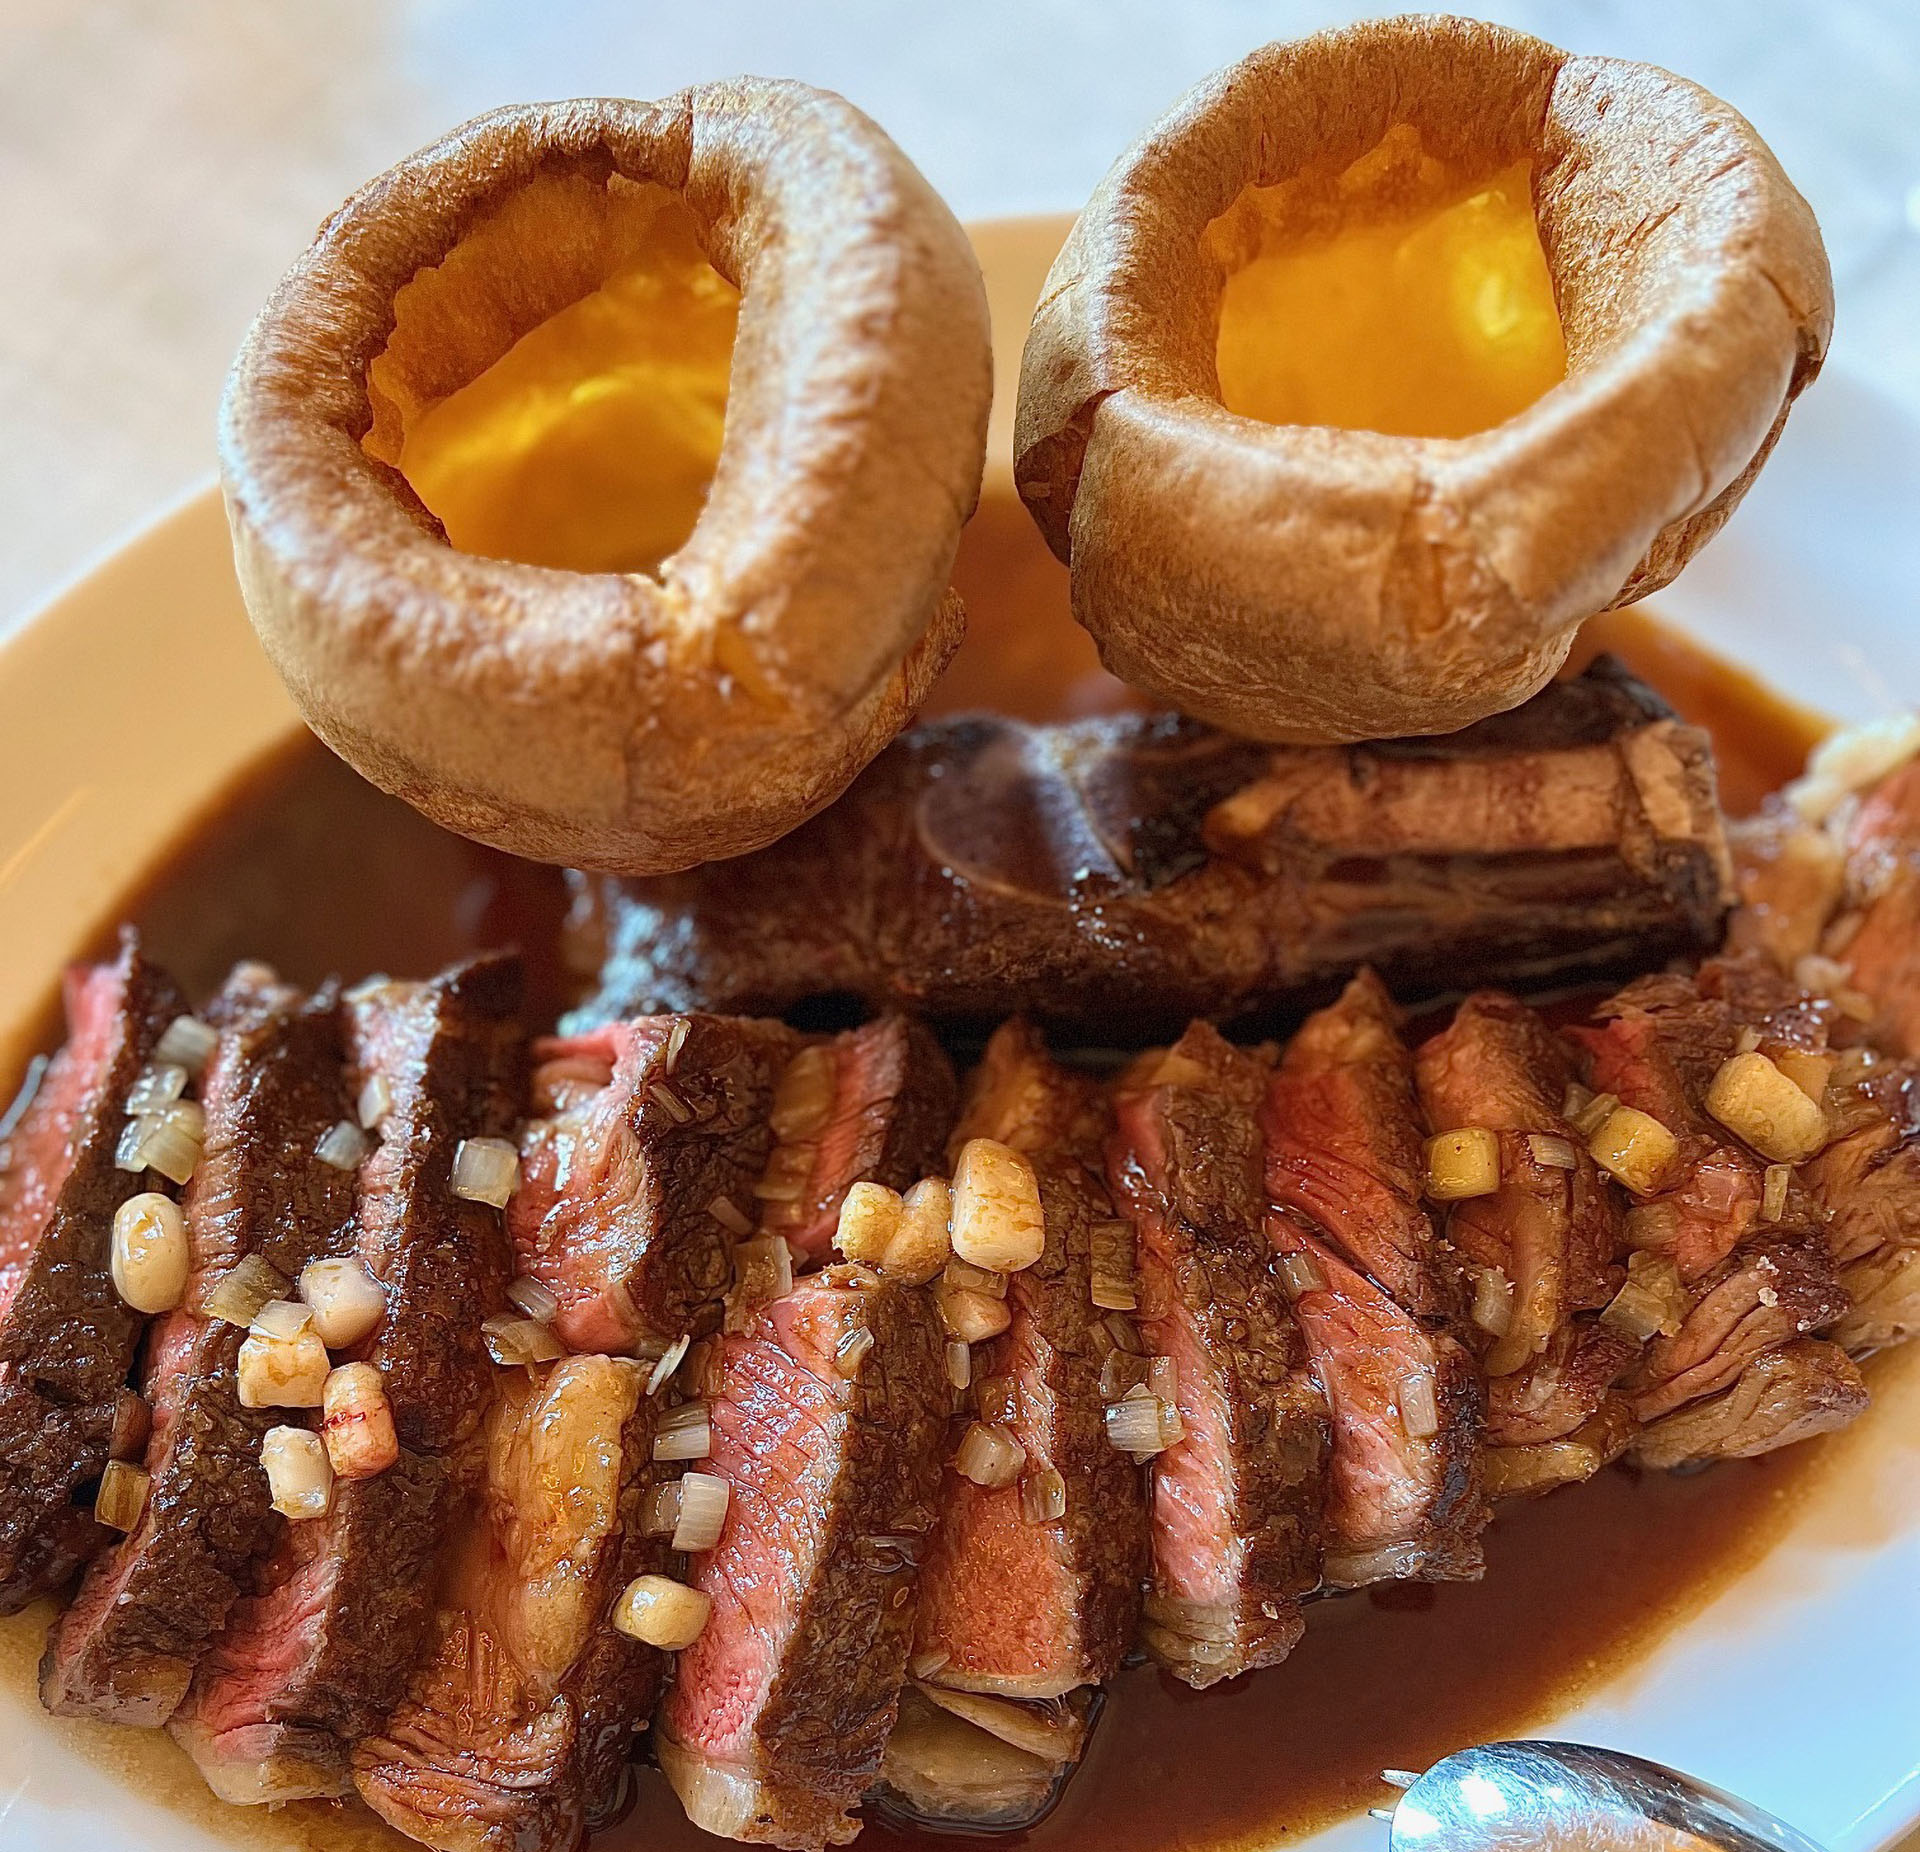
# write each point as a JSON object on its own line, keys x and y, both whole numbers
{"x": 161, "y": 161}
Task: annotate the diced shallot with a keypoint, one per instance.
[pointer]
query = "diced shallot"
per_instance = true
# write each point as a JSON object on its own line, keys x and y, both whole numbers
{"x": 1043, "y": 1497}
{"x": 1113, "y": 1284}
{"x": 1300, "y": 1274}
{"x": 851, "y": 1351}
{"x": 1141, "y": 1424}
{"x": 1492, "y": 1301}
{"x": 670, "y": 1360}
{"x": 972, "y": 1317}
{"x": 1553, "y": 1152}
{"x": 513, "y": 1341}
{"x": 989, "y": 1456}
{"x": 1419, "y": 1412}
{"x": 122, "y": 1495}
{"x": 374, "y": 1103}
{"x": 535, "y": 1298}
{"x": 702, "y": 1513}
{"x": 282, "y": 1319}
{"x": 243, "y": 1289}
{"x": 343, "y": 1146}
{"x": 187, "y": 1043}
{"x": 157, "y": 1088}
{"x": 684, "y": 1433}
{"x": 485, "y": 1170}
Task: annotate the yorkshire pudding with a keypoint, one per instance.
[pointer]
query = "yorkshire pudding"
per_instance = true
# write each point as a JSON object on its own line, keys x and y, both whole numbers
{"x": 1300, "y": 582}
{"x": 633, "y": 720}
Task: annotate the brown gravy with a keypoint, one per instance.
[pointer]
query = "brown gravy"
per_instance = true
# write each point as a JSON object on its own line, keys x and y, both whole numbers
{"x": 308, "y": 867}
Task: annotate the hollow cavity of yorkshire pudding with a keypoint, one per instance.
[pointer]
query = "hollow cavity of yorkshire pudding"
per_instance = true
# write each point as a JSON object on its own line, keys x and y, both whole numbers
{"x": 625, "y": 719}
{"x": 1311, "y": 583}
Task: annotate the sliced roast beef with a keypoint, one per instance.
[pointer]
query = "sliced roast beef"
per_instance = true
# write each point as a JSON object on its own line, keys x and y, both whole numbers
{"x": 67, "y": 1339}
{"x": 273, "y": 1088}
{"x": 1122, "y": 875}
{"x": 655, "y": 1135}
{"x": 516, "y": 1728}
{"x": 1344, "y": 1145}
{"x": 1803, "y": 1388}
{"x": 780, "y": 1711}
{"x": 1236, "y": 1502}
{"x": 1553, "y": 1230}
{"x": 874, "y": 1104}
{"x": 1755, "y": 1276}
{"x": 321, "y": 1648}
{"x": 1344, "y": 1169}
{"x": 1011, "y": 1604}
{"x": 1878, "y": 940}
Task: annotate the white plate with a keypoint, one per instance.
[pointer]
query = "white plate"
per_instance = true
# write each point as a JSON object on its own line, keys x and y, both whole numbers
{"x": 136, "y": 696}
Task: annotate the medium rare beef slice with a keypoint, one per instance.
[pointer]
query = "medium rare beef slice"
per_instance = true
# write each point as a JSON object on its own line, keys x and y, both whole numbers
{"x": 779, "y": 1712}
{"x": 641, "y": 1170}
{"x": 1753, "y": 1273}
{"x": 875, "y": 1105}
{"x": 1236, "y": 1501}
{"x": 272, "y": 1090}
{"x": 503, "y": 1740}
{"x": 321, "y": 1648}
{"x": 1012, "y": 1602}
{"x": 67, "y": 1339}
{"x": 1119, "y": 876}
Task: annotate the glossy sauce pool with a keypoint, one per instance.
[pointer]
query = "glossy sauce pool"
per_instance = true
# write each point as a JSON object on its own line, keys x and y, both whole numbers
{"x": 312, "y": 869}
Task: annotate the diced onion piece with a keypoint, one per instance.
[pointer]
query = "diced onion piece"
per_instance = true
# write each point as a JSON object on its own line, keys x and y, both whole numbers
{"x": 762, "y": 1272}
{"x": 660, "y": 1516}
{"x": 1575, "y": 1101}
{"x": 1163, "y": 1378}
{"x": 959, "y": 1363}
{"x": 1113, "y": 1283}
{"x": 1300, "y": 1274}
{"x": 703, "y": 1511}
{"x": 1594, "y": 1113}
{"x": 851, "y": 1351}
{"x": 1852, "y": 760}
{"x": 1419, "y": 1411}
{"x": 1635, "y": 1148}
{"x": 803, "y": 1095}
{"x": 1492, "y": 1301}
{"x": 131, "y": 1152}
{"x": 299, "y": 1474}
{"x": 684, "y": 1433}
{"x": 283, "y": 1372}
{"x": 925, "y": 1665}
{"x": 346, "y": 1301}
{"x": 1773, "y": 1198}
{"x": 1120, "y": 1372}
{"x": 730, "y": 1216}
{"x": 1552, "y": 1152}
{"x": 659, "y": 1611}
{"x": 1749, "y": 1039}
{"x": 970, "y": 1316}
{"x": 920, "y": 1246}
{"x": 243, "y": 1289}
{"x": 187, "y": 1043}
{"x": 486, "y": 1170}
{"x": 869, "y": 1216}
{"x": 996, "y": 1399}
{"x": 1172, "y": 1427}
{"x": 168, "y": 1141}
{"x": 989, "y": 1456}
{"x": 535, "y": 1298}
{"x": 122, "y": 1495}
{"x": 967, "y": 1277}
{"x": 670, "y": 1103}
{"x": 676, "y": 1040}
{"x": 997, "y": 1222}
{"x": 157, "y": 1087}
{"x": 343, "y": 1146}
{"x": 1463, "y": 1164}
{"x": 513, "y": 1341}
{"x": 670, "y": 1360}
{"x": 1043, "y": 1497}
{"x": 149, "y": 1253}
{"x": 1653, "y": 1225}
{"x": 789, "y": 1171}
{"x": 375, "y": 1101}
{"x": 356, "y": 1422}
{"x": 1136, "y": 1424}
{"x": 1635, "y": 1311}
{"x": 281, "y": 1318}
{"x": 1124, "y": 1333}
{"x": 1753, "y": 1099}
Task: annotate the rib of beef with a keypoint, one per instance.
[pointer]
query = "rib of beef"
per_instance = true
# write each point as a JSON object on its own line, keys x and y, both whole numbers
{"x": 320, "y": 1650}
{"x": 272, "y": 1089}
{"x": 1128, "y": 874}
{"x": 67, "y": 1339}
{"x": 1236, "y": 1502}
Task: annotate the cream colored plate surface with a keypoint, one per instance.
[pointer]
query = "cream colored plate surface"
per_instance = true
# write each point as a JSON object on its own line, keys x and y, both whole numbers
{"x": 138, "y": 696}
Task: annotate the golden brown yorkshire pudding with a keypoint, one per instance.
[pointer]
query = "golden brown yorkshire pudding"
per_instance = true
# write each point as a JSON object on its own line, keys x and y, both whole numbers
{"x": 1292, "y": 580}
{"x": 683, "y": 694}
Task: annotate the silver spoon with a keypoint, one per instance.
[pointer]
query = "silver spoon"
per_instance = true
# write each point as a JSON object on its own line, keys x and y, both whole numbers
{"x": 1568, "y": 1797}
